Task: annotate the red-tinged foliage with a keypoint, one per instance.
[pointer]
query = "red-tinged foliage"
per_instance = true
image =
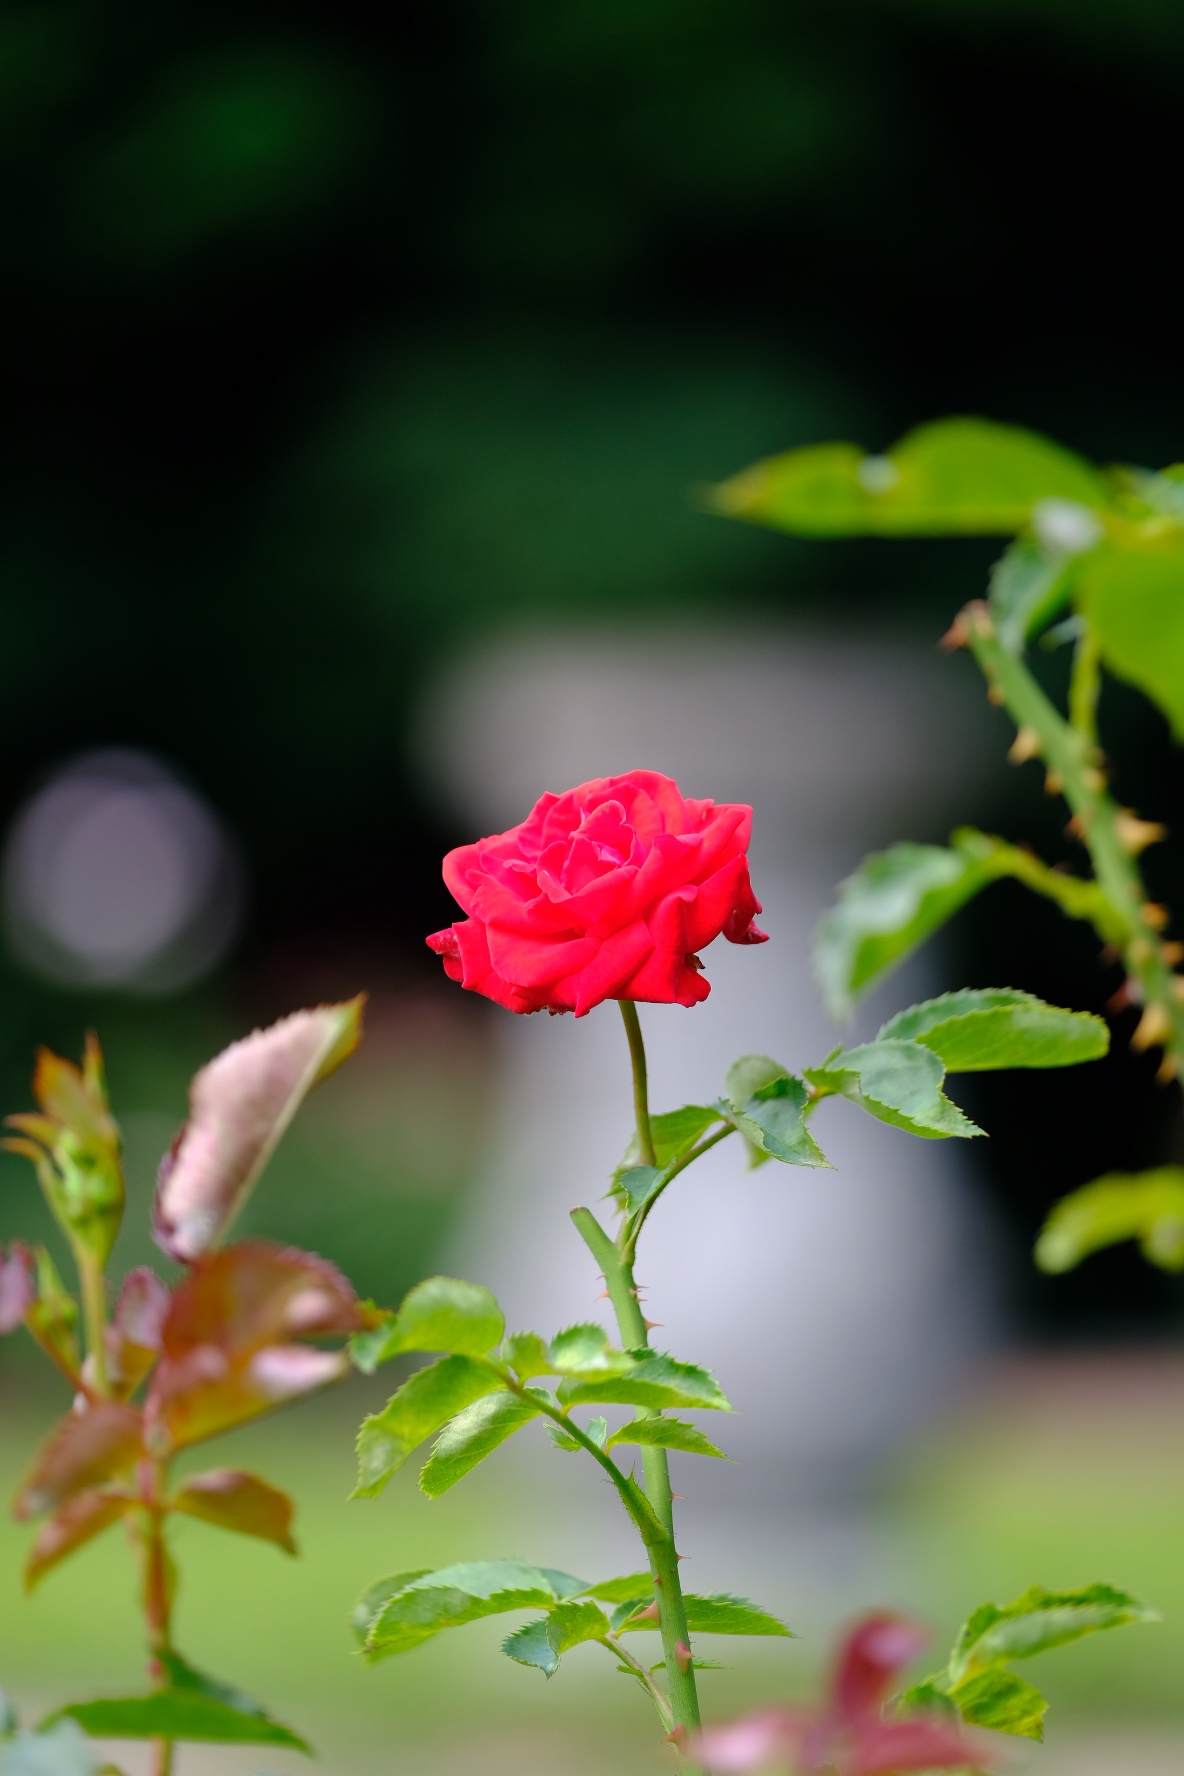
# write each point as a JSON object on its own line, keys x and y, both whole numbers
{"x": 134, "y": 1336}
{"x": 241, "y": 1502}
{"x": 92, "y": 1445}
{"x": 873, "y": 1655}
{"x": 239, "y": 1106}
{"x": 74, "y": 1524}
{"x": 228, "y": 1339}
{"x": 18, "y": 1288}
{"x": 848, "y": 1735}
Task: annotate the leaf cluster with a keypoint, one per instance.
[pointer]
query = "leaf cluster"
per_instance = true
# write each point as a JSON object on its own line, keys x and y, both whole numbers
{"x": 1108, "y": 542}
{"x": 484, "y": 1388}
{"x": 409, "y": 1608}
{"x": 976, "y": 1680}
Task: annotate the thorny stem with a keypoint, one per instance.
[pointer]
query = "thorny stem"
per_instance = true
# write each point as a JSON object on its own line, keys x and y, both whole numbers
{"x": 648, "y": 1525}
{"x": 1123, "y": 916}
{"x": 641, "y": 1098}
{"x": 94, "y": 1308}
{"x": 157, "y": 1594}
{"x": 617, "y": 1264}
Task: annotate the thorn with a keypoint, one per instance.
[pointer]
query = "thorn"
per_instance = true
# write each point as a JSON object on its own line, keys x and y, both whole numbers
{"x": 979, "y": 618}
{"x": 995, "y": 696}
{"x": 650, "y": 1613}
{"x": 676, "y": 1736}
{"x": 1172, "y": 953}
{"x": 651, "y": 1324}
{"x": 1054, "y": 783}
{"x": 1155, "y": 1026}
{"x": 1129, "y": 993}
{"x": 1076, "y": 828}
{"x": 678, "y": 1495}
{"x": 1178, "y": 988}
{"x": 1134, "y": 835}
{"x": 1167, "y": 1070}
{"x": 603, "y": 1296}
{"x": 1110, "y": 953}
{"x": 682, "y": 1656}
{"x": 957, "y": 635}
{"x": 1025, "y": 746}
{"x": 682, "y": 1557}
{"x": 1093, "y": 779}
{"x": 1154, "y": 915}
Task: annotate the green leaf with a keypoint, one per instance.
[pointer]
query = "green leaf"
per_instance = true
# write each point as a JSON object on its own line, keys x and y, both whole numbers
{"x": 893, "y": 902}
{"x": 561, "y": 1440}
{"x": 720, "y": 1614}
{"x": 368, "y": 1349}
{"x": 674, "y": 1133}
{"x": 1133, "y": 596}
{"x": 573, "y": 1622}
{"x": 370, "y": 1604}
{"x": 769, "y": 1114}
{"x": 948, "y": 478}
{"x": 657, "y": 1381}
{"x": 59, "y": 1750}
{"x": 526, "y": 1353}
{"x": 424, "y": 1403}
{"x": 1028, "y": 588}
{"x": 1037, "y": 1621}
{"x": 8, "y": 1720}
{"x": 998, "y": 1699}
{"x": 665, "y": 1433}
{"x": 625, "y": 1590}
{"x": 898, "y": 1083}
{"x": 530, "y": 1646}
{"x": 191, "y": 1706}
{"x": 455, "y": 1595}
{"x": 541, "y": 1643}
{"x": 991, "y": 1027}
{"x": 636, "y": 1184}
{"x": 1147, "y": 1206}
{"x": 585, "y": 1350}
{"x": 472, "y": 1435}
{"x": 442, "y": 1314}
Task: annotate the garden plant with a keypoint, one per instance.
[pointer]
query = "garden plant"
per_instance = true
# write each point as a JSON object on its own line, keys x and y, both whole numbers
{"x": 608, "y": 892}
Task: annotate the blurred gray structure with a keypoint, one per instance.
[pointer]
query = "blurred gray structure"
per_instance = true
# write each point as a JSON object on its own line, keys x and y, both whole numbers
{"x": 850, "y": 1299}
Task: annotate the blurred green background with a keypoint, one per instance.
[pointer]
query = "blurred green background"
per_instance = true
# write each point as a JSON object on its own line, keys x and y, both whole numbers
{"x": 333, "y": 338}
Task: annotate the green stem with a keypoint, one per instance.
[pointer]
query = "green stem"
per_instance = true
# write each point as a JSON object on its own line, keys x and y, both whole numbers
{"x": 1085, "y": 685}
{"x": 663, "y": 1556}
{"x": 1122, "y": 916}
{"x": 94, "y": 1309}
{"x": 649, "y": 1526}
{"x": 633, "y": 1229}
{"x": 643, "y": 1677}
{"x": 641, "y": 1098}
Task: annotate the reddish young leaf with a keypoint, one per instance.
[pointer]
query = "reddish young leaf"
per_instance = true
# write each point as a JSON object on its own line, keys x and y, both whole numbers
{"x": 51, "y": 1319}
{"x": 847, "y": 1736}
{"x": 74, "y": 1524}
{"x": 206, "y": 1393}
{"x": 227, "y": 1338}
{"x": 84, "y": 1450}
{"x": 874, "y": 1653}
{"x": 18, "y": 1290}
{"x": 134, "y": 1336}
{"x": 256, "y": 1293}
{"x": 241, "y": 1502}
{"x": 75, "y": 1145}
{"x": 239, "y": 1106}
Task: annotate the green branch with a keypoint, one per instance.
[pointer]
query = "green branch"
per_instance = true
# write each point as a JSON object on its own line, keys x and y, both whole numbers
{"x": 1119, "y": 910}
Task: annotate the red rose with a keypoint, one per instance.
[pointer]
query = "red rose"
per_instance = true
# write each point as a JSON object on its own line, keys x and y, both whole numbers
{"x": 605, "y": 892}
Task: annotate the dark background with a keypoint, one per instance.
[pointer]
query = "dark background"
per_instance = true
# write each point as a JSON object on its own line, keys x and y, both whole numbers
{"x": 331, "y": 336}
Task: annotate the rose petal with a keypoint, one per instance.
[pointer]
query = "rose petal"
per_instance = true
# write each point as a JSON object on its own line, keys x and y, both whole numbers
{"x": 875, "y": 1650}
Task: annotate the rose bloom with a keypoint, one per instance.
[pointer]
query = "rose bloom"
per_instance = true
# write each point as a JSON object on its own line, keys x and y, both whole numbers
{"x": 605, "y": 892}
